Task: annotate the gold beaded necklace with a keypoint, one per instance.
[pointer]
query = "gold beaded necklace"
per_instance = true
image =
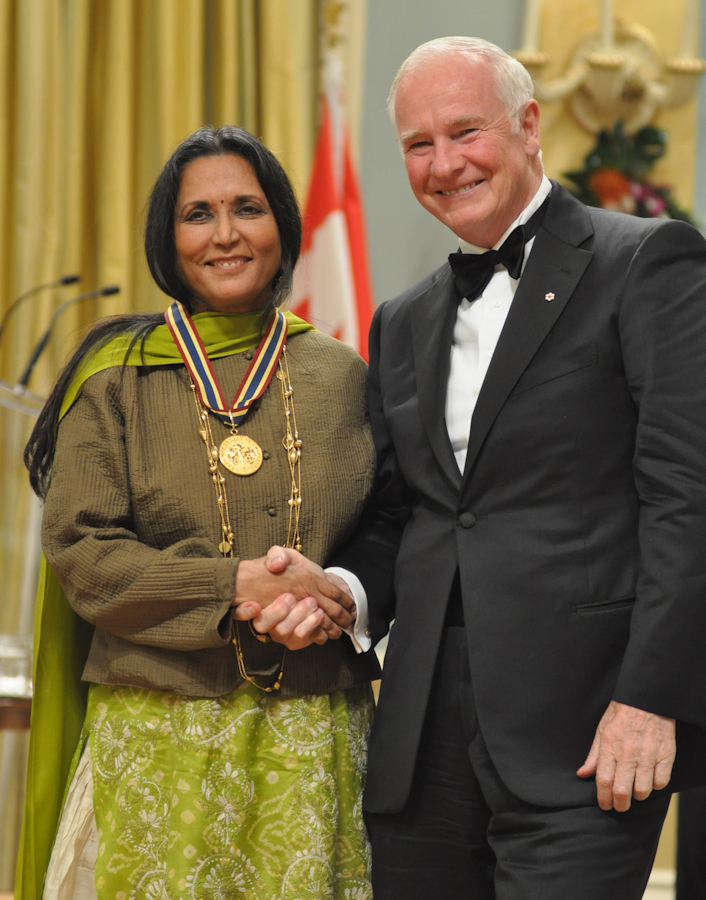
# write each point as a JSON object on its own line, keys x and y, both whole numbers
{"x": 292, "y": 444}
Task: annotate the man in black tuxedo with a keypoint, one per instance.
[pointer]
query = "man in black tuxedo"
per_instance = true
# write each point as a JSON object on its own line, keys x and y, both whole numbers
{"x": 539, "y": 524}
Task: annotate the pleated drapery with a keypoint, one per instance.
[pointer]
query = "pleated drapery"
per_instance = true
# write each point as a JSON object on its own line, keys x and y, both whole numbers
{"x": 94, "y": 95}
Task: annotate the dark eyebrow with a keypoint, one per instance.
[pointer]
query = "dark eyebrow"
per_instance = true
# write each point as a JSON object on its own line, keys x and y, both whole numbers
{"x": 203, "y": 204}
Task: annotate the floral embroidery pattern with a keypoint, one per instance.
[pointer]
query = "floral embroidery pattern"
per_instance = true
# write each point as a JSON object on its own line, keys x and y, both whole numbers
{"x": 243, "y": 796}
{"x": 301, "y": 724}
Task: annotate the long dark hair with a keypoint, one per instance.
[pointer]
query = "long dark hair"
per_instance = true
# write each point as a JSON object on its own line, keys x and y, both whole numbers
{"x": 160, "y": 249}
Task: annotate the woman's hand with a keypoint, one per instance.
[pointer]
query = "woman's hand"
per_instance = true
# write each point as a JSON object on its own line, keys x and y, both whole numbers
{"x": 294, "y": 623}
{"x": 292, "y": 599}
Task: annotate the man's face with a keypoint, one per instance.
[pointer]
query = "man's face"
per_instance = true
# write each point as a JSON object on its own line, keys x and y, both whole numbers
{"x": 465, "y": 162}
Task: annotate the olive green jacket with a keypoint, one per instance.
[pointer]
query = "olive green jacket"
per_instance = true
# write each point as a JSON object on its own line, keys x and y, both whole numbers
{"x": 131, "y": 525}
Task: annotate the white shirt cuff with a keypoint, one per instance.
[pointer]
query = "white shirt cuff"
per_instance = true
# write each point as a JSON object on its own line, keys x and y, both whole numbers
{"x": 359, "y": 632}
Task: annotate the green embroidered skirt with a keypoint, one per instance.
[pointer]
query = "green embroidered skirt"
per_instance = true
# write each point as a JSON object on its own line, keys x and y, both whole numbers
{"x": 242, "y": 796}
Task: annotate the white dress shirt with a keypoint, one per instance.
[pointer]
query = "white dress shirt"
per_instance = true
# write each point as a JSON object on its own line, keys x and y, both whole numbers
{"x": 476, "y": 334}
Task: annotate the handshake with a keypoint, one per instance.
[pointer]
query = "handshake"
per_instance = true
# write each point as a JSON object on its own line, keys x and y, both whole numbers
{"x": 292, "y": 599}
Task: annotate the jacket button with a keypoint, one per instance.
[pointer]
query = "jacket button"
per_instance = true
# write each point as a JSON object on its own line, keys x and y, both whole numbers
{"x": 248, "y": 354}
{"x": 265, "y": 454}
{"x": 272, "y": 511}
{"x": 466, "y": 520}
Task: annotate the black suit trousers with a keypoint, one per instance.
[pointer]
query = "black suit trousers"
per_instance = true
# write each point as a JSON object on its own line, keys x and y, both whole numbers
{"x": 463, "y": 835}
{"x": 691, "y": 845}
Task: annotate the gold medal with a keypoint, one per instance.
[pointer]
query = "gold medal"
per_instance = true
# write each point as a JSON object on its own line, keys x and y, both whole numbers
{"x": 240, "y": 454}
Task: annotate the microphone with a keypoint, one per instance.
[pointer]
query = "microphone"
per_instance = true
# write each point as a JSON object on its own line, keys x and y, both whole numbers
{"x": 42, "y": 342}
{"x": 65, "y": 279}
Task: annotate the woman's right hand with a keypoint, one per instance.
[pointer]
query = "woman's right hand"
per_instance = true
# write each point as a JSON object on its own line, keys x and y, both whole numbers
{"x": 294, "y": 623}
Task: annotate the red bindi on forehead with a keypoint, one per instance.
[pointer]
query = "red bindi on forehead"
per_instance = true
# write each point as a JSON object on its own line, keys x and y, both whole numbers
{"x": 221, "y": 201}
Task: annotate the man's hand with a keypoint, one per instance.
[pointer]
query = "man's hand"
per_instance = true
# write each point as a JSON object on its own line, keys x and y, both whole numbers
{"x": 278, "y": 558}
{"x": 296, "y": 623}
{"x": 291, "y": 599}
{"x": 632, "y": 754}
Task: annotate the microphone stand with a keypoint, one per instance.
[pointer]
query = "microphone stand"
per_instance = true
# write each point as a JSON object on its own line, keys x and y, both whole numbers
{"x": 15, "y": 397}
{"x": 64, "y": 280}
{"x": 42, "y": 342}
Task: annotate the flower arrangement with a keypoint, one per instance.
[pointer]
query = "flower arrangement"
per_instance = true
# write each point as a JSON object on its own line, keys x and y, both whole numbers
{"x": 614, "y": 175}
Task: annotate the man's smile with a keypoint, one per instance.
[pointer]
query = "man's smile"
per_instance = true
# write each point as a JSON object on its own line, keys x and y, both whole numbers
{"x": 461, "y": 190}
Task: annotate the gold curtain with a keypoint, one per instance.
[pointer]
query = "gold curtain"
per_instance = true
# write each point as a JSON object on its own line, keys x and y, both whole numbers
{"x": 94, "y": 95}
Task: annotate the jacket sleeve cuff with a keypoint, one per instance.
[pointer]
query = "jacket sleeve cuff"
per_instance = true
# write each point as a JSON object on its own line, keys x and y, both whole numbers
{"x": 222, "y": 619}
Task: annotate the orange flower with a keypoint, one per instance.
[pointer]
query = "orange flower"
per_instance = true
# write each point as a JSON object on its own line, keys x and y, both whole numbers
{"x": 610, "y": 186}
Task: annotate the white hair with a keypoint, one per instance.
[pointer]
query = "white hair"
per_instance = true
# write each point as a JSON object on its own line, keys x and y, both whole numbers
{"x": 513, "y": 82}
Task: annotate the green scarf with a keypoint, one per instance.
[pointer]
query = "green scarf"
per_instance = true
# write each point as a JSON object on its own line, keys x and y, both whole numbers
{"x": 62, "y": 640}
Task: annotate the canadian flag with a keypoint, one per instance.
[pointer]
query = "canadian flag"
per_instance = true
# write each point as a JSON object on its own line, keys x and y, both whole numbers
{"x": 332, "y": 279}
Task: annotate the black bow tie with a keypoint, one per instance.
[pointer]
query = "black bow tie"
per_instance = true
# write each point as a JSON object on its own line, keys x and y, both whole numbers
{"x": 473, "y": 271}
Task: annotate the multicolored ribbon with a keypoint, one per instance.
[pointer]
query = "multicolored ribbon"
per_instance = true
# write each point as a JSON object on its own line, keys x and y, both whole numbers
{"x": 256, "y": 379}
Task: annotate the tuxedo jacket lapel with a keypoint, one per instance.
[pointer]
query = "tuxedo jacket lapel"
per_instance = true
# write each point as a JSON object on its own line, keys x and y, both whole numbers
{"x": 433, "y": 320}
{"x": 553, "y": 271}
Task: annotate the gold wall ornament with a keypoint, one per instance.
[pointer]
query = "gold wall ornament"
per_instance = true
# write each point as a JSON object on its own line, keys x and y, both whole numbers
{"x": 616, "y": 73}
{"x": 560, "y": 26}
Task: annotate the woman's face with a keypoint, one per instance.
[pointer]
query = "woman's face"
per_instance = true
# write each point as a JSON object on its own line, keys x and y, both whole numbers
{"x": 226, "y": 235}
